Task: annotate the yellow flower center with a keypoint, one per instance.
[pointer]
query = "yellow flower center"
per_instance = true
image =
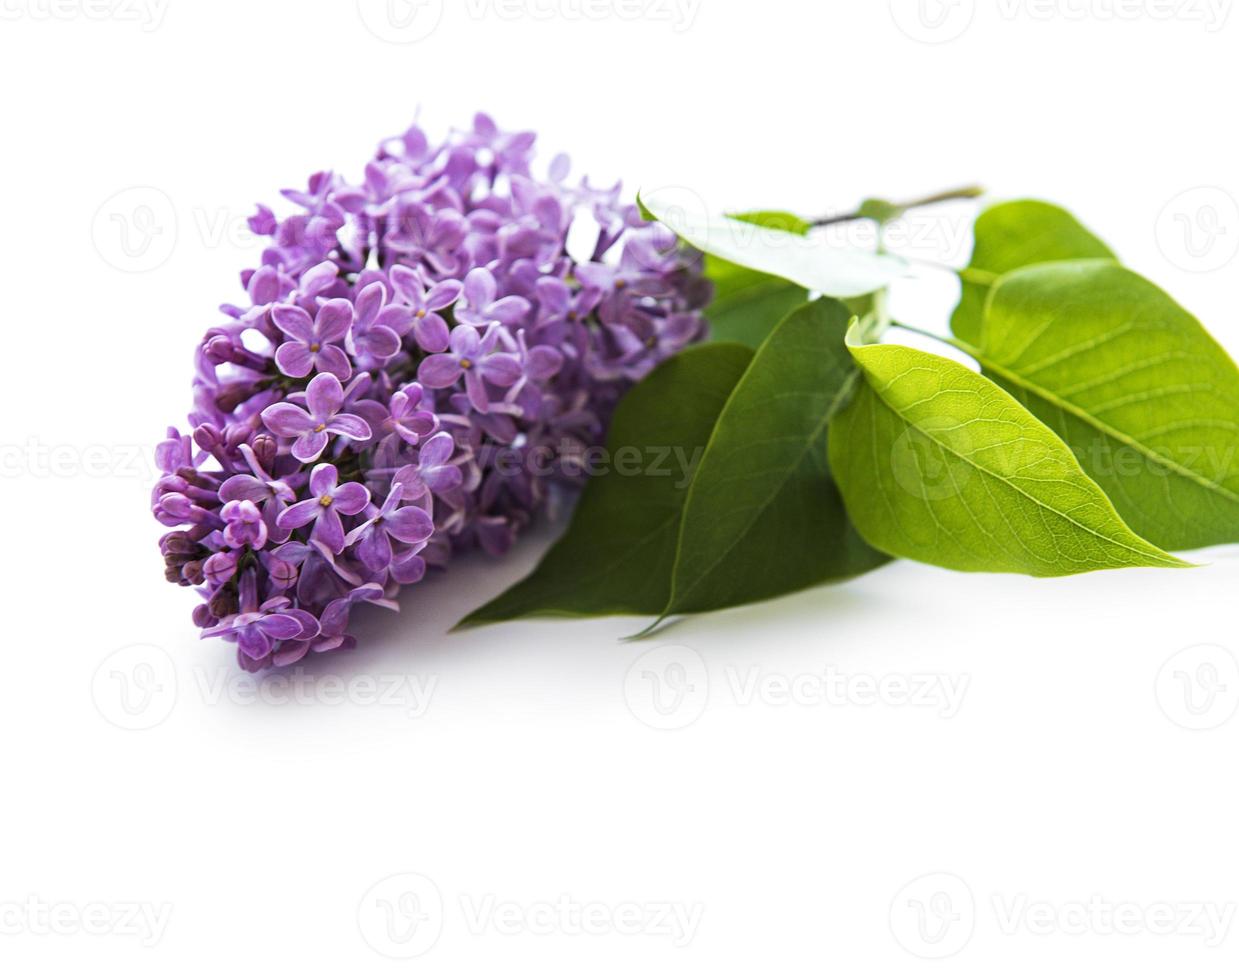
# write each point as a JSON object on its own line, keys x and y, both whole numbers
{"x": 325, "y": 500}
{"x": 314, "y": 348}
{"x": 466, "y": 363}
{"x": 320, "y": 427}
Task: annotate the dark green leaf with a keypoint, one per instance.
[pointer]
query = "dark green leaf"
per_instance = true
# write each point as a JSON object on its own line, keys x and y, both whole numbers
{"x": 617, "y": 554}
{"x": 763, "y": 516}
{"x": 748, "y": 304}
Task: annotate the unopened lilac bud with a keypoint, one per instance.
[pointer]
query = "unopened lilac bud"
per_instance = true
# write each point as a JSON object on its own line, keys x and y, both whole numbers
{"x": 192, "y": 570}
{"x": 192, "y": 477}
{"x": 177, "y": 508}
{"x": 198, "y": 532}
{"x": 202, "y": 616}
{"x": 218, "y": 350}
{"x": 177, "y": 543}
{"x": 265, "y": 448}
{"x": 206, "y": 436}
{"x": 283, "y": 574}
{"x": 230, "y": 396}
{"x": 236, "y": 434}
{"x": 263, "y": 222}
{"x": 223, "y": 603}
{"x": 172, "y": 484}
{"x": 220, "y": 567}
{"x": 176, "y": 505}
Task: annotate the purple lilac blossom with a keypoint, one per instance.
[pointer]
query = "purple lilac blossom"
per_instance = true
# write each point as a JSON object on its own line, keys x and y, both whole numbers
{"x": 401, "y": 338}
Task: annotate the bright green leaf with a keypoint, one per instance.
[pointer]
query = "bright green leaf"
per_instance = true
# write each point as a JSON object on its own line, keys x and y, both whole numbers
{"x": 883, "y": 212}
{"x": 1011, "y": 236}
{"x": 784, "y": 220}
{"x": 617, "y": 554}
{"x": 1146, "y": 399}
{"x": 763, "y": 516}
{"x": 811, "y": 261}
{"x": 939, "y": 464}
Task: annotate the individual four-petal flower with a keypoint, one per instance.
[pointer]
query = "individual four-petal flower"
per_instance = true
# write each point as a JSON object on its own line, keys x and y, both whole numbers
{"x": 245, "y": 526}
{"x": 408, "y": 525}
{"x": 432, "y": 473}
{"x": 407, "y": 418}
{"x": 377, "y": 327}
{"x": 257, "y": 632}
{"x": 312, "y": 429}
{"x": 473, "y": 356}
{"x": 328, "y": 500}
{"x": 481, "y": 307}
{"x": 429, "y": 329}
{"x": 312, "y": 343}
{"x": 273, "y": 495}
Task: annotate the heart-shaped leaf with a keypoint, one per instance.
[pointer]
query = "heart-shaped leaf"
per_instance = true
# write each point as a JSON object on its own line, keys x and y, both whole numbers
{"x": 1011, "y": 236}
{"x": 1146, "y": 399}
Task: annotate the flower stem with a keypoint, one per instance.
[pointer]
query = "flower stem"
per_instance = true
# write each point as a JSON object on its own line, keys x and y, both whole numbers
{"x": 896, "y": 209}
{"x": 960, "y": 345}
{"x": 977, "y": 277}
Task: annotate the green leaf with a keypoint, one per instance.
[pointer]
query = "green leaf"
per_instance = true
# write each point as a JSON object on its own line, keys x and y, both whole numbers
{"x": 1011, "y": 236}
{"x": 747, "y": 304}
{"x": 810, "y": 261}
{"x": 883, "y": 212}
{"x": 617, "y": 553}
{"x": 1145, "y": 398}
{"x": 783, "y": 220}
{"x": 763, "y": 516}
{"x": 939, "y": 464}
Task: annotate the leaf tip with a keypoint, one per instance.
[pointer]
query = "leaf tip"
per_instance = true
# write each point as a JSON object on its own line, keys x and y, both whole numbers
{"x": 646, "y": 633}
{"x": 646, "y": 213}
{"x": 471, "y": 621}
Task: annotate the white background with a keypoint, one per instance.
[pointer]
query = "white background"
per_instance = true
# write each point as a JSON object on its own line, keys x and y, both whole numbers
{"x": 517, "y": 769}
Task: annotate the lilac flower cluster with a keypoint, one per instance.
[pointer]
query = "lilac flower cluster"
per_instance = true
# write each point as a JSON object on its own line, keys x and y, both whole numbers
{"x": 419, "y": 364}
